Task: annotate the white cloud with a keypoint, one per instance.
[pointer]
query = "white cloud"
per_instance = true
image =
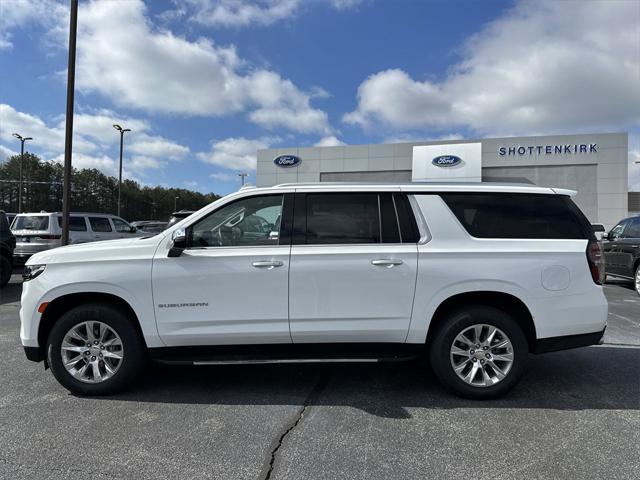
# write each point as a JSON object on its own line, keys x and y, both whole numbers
{"x": 239, "y": 13}
{"x": 524, "y": 73}
{"x": 94, "y": 140}
{"x": 223, "y": 177}
{"x": 15, "y": 14}
{"x": 345, "y": 4}
{"x": 236, "y": 153}
{"x": 329, "y": 141}
{"x": 154, "y": 70}
{"x": 6, "y": 153}
{"x": 243, "y": 13}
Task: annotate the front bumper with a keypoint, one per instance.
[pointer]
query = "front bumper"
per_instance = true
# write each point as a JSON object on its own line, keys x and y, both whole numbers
{"x": 565, "y": 342}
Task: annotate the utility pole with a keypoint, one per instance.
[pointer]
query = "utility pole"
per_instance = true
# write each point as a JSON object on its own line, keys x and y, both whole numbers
{"x": 242, "y": 175}
{"x": 22, "y": 140}
{"x": 68, "y": 136}
{"x": 175, "y": 204}
{"x": 121, "y": 130}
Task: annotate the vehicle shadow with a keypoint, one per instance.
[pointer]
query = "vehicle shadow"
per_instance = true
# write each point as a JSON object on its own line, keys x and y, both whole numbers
{"x": 588, "y": 378}
{"x": 12, "y": 291}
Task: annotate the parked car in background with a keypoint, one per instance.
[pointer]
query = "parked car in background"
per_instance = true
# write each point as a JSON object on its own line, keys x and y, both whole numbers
{"x": 149, "y": 226}
{"x": 622, "y": 251}
{"x": 36, "y": 232}
{"x": 7, "y": 244}
{"x": 474, "y": 276}
{"x": 178, "y": 216}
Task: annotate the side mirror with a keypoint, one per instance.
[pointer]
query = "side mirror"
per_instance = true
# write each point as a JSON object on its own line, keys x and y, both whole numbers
{"x": 609, "y": 236}
{"x": 179, "y": 243}
{"x": 133, "y": 229}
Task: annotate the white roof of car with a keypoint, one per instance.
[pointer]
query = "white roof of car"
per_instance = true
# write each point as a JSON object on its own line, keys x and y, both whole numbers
{"x": 496, "y": 187}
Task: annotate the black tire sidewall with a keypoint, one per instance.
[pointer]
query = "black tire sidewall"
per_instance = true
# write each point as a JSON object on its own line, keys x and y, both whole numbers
{"x": 132, "y": 362}
{"x": 455, "y": 323}
{"x": 635, "y": 275}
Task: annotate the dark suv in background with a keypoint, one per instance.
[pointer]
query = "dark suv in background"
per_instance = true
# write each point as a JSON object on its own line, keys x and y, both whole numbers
{"x": 622, "y": 251}
{"x": 7, "y": 244}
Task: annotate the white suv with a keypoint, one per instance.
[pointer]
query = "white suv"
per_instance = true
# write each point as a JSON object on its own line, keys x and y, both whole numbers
{"x": 36, "y": 232}
{"x": 475, "y": 276}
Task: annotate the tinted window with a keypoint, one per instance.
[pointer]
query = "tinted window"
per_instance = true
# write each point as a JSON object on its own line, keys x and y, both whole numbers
{"x": 250, "y": 221}
{"x": 100, "y": 224}
{"x": 338, "y": 218}
{"x": 76, "y": 224}
{"x": 633, "y": 229}
{"x": 31, "y": 222}
{"x": 4, "y": 223}
{"x": 498, "y": 215}
{"x": 121, "y": 226}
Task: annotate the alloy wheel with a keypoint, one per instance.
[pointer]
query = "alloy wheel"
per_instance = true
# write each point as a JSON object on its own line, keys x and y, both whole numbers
{"x": 92, "y": 352}
{"x": 481, "y": 355}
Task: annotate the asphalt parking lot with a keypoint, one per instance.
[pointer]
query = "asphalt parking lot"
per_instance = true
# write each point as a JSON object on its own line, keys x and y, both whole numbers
{"x": 576, "y": 414}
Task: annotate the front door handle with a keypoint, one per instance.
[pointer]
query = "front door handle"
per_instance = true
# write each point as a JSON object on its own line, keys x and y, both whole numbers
{"x": 386, "y": 262}
{"x": 268, "y": 264}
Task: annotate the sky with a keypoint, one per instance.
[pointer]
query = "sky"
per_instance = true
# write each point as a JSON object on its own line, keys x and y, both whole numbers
{"x": 203, "y": 84}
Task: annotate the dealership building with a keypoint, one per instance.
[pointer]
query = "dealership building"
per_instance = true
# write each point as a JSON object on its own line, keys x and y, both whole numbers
{"x": 595, "y": 165}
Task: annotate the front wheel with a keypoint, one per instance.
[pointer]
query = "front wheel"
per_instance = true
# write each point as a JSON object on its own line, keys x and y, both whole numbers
{"x": 94, "y": 349}
{"x": 479, "y": 352}
{"x": 636, "y": 279}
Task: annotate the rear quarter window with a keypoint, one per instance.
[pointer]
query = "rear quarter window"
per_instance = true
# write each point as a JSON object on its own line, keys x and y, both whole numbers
{"x": 514, "y": 215}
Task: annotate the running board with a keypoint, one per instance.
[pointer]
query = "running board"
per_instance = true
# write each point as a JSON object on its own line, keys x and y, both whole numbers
{"x": 266, "y": 361}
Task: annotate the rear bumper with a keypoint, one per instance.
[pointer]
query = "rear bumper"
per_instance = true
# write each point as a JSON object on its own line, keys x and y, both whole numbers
{"x": 554, "y": 344}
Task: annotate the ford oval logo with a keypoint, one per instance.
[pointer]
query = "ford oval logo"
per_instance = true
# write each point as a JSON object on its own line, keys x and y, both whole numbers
{"x": 287, "y": 161}
{"x": 446, "y": 161}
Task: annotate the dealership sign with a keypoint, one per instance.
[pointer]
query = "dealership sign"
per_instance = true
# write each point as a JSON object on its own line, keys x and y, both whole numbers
{"x": 286, "y": 161}
{"x": 566, "y": 149}
{"x": 446, "y": 161}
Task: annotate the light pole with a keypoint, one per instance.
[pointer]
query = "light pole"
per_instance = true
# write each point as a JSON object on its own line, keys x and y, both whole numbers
{"x": 22, "y": 140}
{"x": 242, "y": 175}
{"x": 175, "y": 204}
{"x": 68, "y": 128}
{"x": 121, "y": 130}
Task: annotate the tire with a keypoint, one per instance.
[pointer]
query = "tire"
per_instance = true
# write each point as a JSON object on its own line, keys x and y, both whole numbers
{"x": 636, "y": 279}
{"x": 118, "y": 326}
{"x": 443, "y": 358}
{"x": 5, "y": 270}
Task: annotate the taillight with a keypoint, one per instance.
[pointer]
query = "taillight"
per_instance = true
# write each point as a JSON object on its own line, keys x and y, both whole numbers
{"x": 596, "y": 261}
{"x": 49, "y": 237}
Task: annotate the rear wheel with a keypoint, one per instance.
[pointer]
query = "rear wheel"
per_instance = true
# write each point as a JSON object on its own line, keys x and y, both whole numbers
{"x": 5, "y": 270}
{"x": 94, "y": 349}
{"x": 479, "y": 352}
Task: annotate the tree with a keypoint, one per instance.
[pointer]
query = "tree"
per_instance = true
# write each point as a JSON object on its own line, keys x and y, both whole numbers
{"x": 91, "y": 191}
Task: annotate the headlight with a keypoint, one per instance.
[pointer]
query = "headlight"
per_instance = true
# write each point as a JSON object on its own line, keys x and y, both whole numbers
{"x": 32, "y": 271}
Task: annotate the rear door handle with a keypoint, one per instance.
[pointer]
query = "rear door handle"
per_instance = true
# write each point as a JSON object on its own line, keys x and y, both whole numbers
{"x": 386, "y": 262}
{"x": 268, "y": 264}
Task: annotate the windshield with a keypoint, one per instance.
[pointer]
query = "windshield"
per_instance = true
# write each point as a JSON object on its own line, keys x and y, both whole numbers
{"x": 31, "y": 222}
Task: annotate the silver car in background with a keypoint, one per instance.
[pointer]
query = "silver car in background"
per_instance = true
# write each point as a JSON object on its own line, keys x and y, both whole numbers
{"x": 36, "y": 232}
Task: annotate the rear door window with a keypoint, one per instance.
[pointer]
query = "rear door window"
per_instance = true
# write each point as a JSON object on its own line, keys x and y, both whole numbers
{"x": 100, "y": 224}
{"x": 342, "y": 218}
{"x": 515, "y": 215}
{"x": 31, "y": 222}
{"x": 76, "y": 224}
